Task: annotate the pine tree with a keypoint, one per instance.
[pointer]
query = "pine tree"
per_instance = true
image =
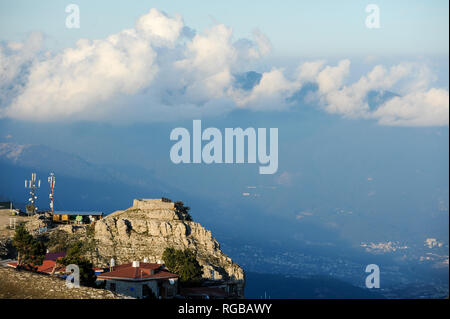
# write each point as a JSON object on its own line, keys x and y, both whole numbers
{"x": 183, "y": 211}
{"x": 75, "y": 256}
{"x": 183, "y": 263}
{"x": 30, "y": 251}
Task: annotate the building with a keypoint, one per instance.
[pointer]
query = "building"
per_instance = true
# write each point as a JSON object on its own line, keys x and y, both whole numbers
{"x": 76, "y": 217}
{"x": 6, "y": 205}
{"x": 46, "y": 267}
{"x": 49, "y": 265}
{"x": 141, "y": 280}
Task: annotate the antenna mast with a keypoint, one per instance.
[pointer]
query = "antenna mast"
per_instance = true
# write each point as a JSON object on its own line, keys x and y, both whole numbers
{"x": 33, "y": 185}
{"x": 51, "y": 180}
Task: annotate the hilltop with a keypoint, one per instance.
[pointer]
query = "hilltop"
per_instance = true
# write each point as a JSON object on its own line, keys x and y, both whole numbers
{"x": 144, "y": 230}
{"x": 27, "y": 285}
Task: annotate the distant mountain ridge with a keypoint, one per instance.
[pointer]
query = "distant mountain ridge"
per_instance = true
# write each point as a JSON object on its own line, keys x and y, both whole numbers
{"x": 79, "y": 183}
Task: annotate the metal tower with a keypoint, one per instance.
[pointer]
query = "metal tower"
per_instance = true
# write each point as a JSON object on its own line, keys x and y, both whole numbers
{"x": 51, "y": 180}
{"x": 33, "y": 185}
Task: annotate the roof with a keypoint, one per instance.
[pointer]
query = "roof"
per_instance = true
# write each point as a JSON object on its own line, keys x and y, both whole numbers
{"x": 46, "y": 267}
{"x": 145, "y": 271}
{"x": 54, "y": 256}
{"x": 75, "y": 213}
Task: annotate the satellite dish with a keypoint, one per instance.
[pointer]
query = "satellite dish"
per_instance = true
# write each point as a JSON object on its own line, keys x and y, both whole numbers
{"x": 171, "y": 281}
{"x": 112, "y": 263}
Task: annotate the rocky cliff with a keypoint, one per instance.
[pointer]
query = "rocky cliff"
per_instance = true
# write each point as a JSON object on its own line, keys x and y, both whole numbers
{"x": 151, "y": 225}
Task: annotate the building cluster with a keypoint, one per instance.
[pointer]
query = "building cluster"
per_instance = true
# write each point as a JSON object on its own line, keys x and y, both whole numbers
{"x": 136, "y": 279}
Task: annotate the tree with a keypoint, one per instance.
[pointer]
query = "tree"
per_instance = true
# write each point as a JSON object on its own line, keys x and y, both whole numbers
{"x": 30, "y": 208}
{"x": 183, "y": 211}
{"x": 30, "y": 251}
{"x": 184, "y": 264}
{"x": 75, "y": 255}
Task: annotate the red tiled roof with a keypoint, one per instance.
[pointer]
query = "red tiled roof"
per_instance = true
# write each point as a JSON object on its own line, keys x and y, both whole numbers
{"x": 143, "y": 272}
{"x": 46, "y": 267}
{"x": 54, "y": 256}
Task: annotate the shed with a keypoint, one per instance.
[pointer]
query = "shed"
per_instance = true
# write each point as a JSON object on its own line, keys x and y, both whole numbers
{"x": 78, "y": 216}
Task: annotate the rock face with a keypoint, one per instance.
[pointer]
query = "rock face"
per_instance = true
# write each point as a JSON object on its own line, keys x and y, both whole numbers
{"x": 151, "y": 225}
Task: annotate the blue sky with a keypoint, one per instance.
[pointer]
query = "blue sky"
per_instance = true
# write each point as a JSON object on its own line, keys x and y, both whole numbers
{"x": 294, "y": 27}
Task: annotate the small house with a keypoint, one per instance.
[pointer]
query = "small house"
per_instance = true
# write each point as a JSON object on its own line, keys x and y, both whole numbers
{"x": 141, "y": 280}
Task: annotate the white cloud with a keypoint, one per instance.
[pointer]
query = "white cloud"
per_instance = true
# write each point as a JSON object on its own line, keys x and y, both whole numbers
{"x": 269, "y": 94}
{"x": 425, "y": 108}
{"x": 308, "y": 71}
{"x": 332, "y": 78}
{"x": 162, "y": 69}
{"x": 158, "y": 27}
{"x": 263, "y": 42}
{"x": 417, "y": 105}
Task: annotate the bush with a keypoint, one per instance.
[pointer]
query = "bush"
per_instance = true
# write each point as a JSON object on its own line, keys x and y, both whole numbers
{"x": 30, "y": 208}
{"x": 75, "y": 256}
{"x": 30, "y": 251}
{"x": 183, "y": 211}
{"x": 184, "y": 264}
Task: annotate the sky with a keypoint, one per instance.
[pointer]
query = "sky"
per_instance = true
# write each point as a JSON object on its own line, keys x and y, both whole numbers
{"x": 129, "y": 63}
{"x": 294, "y": 27}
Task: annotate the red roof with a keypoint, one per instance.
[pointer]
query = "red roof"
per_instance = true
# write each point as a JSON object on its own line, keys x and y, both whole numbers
{"x": 46, "y": 267}
{"x": 54, "y": 256}
{"x": 145, "y": 271}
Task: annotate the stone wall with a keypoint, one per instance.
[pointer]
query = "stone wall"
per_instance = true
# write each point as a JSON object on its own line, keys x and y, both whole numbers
{"x": 150, "y": 203}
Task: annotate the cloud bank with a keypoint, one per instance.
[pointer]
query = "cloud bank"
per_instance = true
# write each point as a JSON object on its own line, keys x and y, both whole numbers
{"x": 163, "y": 70}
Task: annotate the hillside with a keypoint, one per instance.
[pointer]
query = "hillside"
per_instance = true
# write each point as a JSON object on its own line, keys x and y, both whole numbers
{"x": 151, "y": 225}
{"x": 27, "y": 285}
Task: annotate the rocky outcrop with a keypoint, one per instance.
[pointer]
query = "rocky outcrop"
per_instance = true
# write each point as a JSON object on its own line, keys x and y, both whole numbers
{"x": 148, "y": 227}
{"x": 6, "y": 249}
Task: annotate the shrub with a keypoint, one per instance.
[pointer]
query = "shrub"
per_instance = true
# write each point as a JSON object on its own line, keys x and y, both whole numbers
{"x": 30, "y": 251}
{"x": 183, "y": 211}
{"x": 184, "y": 264}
